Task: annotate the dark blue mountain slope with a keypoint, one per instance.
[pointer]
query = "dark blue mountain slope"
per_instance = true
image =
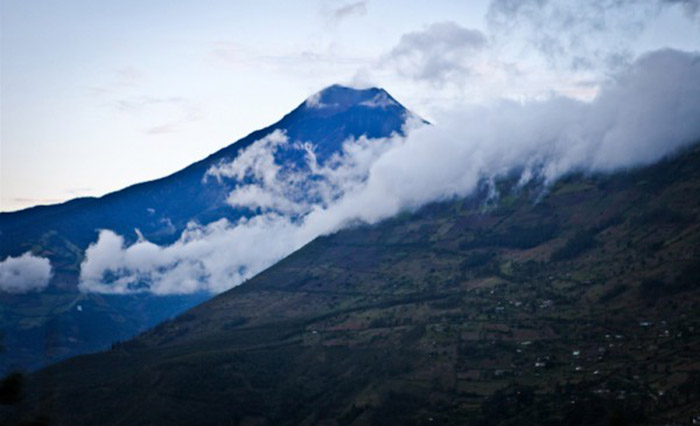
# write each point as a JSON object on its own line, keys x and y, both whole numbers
{"x": 41, "y": 327}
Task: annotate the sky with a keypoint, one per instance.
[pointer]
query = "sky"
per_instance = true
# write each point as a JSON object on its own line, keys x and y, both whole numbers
{"x": 95, "y": 96}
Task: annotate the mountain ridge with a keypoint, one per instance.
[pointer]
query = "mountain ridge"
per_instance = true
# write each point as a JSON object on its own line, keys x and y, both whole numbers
{"x": 357, "y": 98}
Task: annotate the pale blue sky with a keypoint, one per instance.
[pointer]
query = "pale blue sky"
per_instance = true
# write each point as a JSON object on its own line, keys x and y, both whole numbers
{"x": 98, "y": 95}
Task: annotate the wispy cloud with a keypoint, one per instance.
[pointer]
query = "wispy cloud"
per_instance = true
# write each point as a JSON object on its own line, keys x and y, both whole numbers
{"x": 138, "y": 103}
{"x": 346, "y": 11}
{"x": 441, "y": 53}
{"x": 577, "y": 35}
{"x": 78, "y": 192}
{"x": 124, "y": 92}
{"x": 305, "y": 61}
{"x": 529, "y": 49}
{"x": 37, "y": 201}
{"x": 188, "y": 113}
{"x": 119, "y": 80}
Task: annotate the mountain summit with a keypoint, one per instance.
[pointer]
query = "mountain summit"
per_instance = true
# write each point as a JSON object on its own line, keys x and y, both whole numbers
{"x": 337, "y": 112}
{"x": 337, "y": 97}
{"x": 161, "y": 210}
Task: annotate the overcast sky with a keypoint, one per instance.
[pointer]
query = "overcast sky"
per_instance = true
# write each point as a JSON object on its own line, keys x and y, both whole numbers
{"x": 98, "y": 95}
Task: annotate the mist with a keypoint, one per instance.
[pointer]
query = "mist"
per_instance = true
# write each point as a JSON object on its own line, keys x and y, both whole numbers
{"x": 643, "y": 113}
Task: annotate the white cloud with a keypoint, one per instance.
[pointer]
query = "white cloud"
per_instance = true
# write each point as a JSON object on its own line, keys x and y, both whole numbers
{"x": 257, "y": 161}
{"x": 577, "y": 35}
{"x": 223, "y": 254}
{"x": 442, "y": 53}
{"x": 643, "y": 113}
{"x": 24, "y": 274}
{"x": 637, "y": 119}
{"x": 527, "y": 49}
{"x": 212, "y": 258}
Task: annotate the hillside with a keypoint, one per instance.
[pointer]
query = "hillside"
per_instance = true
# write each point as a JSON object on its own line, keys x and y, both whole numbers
{"x": 575, "y": 305}
{"x": 37, "y": 328}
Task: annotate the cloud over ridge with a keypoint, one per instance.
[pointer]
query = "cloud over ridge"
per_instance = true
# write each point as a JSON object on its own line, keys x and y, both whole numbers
{"x": 646, "y": 111}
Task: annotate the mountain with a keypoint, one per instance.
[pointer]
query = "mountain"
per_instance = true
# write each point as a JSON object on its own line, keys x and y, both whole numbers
{"x": 336, "y": 114}
{"x": 577, "y": 305}
{"x": 61, "y": 321}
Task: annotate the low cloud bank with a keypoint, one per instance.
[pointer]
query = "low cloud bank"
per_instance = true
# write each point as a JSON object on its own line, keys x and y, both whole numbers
{"x": 645, "y": 112}
{"x": 24, "y": 274}
{"x": 280, "y": 197}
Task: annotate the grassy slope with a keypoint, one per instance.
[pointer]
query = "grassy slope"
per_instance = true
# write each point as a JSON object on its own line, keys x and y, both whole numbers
{"x": 581, "y": 308}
